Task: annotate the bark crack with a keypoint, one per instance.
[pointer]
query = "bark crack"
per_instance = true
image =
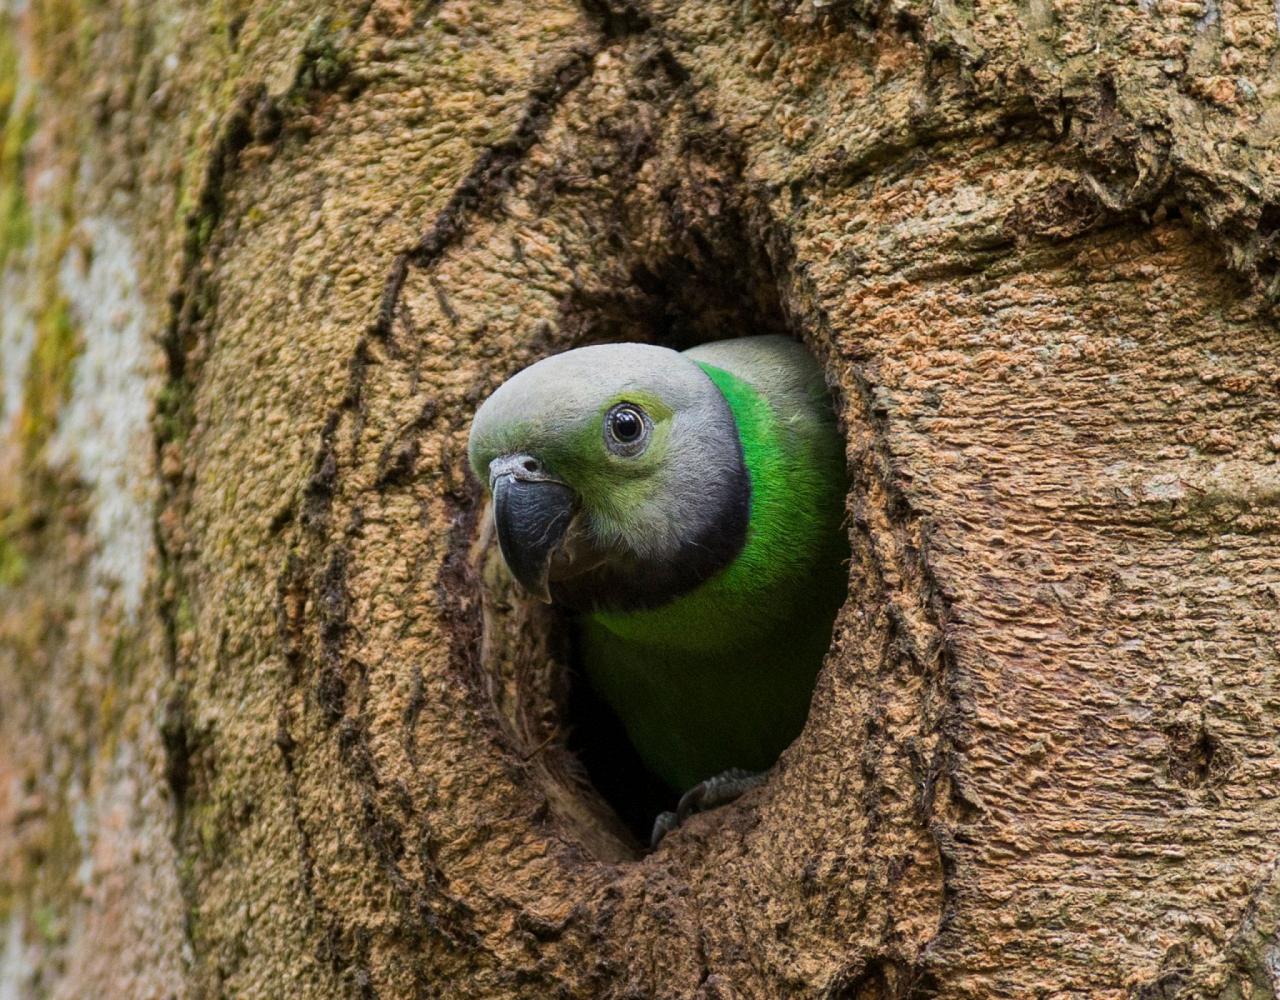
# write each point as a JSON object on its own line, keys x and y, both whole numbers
{"x": 487, "y": 179}
{"x": 255, "y": 116}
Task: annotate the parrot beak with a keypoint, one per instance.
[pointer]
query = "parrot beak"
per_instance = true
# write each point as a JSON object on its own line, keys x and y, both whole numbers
{"x": 531, "y": 512}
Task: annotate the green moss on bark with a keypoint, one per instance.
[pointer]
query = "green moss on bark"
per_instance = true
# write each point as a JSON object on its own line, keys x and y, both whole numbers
{"x": 13, "y": 562}
{"x": 48, "y": 382}
{"x": 17, "y": 123}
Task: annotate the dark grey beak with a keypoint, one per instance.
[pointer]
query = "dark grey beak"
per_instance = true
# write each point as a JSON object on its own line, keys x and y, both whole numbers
{"x": 531, "y": 512}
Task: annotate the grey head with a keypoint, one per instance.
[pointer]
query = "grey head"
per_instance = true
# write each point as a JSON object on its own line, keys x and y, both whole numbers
{"x": 617, "y": 476}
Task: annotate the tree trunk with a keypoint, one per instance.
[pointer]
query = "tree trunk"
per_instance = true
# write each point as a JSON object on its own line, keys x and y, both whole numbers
{"x": 271, "y": 723}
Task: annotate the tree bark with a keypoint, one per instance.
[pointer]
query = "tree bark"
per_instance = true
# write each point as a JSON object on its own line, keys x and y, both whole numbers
{"x": 271, "y": 722}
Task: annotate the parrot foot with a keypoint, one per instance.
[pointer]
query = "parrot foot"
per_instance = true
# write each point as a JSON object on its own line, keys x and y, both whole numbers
{"x": 719, "y": 790}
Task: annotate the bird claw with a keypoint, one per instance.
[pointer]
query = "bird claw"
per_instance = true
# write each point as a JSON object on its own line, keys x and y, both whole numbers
{"x": 662, "y": 825}
{"x": 719, "y": 790}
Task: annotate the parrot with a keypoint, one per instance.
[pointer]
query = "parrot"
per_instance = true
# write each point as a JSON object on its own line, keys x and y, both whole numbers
{"x": 686, "y": 510}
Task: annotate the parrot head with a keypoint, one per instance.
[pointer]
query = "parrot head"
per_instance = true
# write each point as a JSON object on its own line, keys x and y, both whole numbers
{"x": 616, "y": 474}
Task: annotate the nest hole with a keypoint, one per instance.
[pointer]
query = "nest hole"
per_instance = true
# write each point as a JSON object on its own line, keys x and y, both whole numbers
{"x": 573, "y": 745}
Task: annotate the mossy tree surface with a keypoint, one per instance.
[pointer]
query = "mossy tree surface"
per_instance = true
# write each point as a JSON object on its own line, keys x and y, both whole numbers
{"x": 264, "y": 733}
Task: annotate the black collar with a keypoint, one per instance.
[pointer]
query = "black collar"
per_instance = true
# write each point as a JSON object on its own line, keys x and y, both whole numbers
{"x": 627, "y": 583}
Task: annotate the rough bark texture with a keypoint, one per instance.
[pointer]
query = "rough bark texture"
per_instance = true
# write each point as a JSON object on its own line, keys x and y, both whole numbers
{"x": 271, "y": 724}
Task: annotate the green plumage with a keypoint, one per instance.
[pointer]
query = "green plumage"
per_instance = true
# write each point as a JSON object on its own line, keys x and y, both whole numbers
{"x": 721, "y": 677}
{"x": 689, "y": 508}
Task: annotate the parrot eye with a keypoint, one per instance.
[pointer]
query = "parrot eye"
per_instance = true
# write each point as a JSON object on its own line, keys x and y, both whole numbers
{"x": 626, "y": 429}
